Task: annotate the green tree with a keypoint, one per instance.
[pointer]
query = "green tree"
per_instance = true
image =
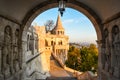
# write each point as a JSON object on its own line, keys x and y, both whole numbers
{"x": 83, "y": 59}
{"x": 89, "y": 58}
{"x": 73, "y": 58}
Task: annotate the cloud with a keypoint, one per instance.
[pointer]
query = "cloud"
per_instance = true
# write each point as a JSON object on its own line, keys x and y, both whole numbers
{"x": 68, "y": 21}
{"x": 79, "y": 20}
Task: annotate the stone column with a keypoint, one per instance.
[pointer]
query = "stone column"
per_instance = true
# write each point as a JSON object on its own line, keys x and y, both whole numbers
{"x": 1, "y": 76}
{"x": 100, "y": 67}
{"x": 0, "y": 58}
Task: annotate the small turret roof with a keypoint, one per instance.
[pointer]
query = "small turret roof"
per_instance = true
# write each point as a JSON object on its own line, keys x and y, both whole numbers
{"x": 59, "y": 24}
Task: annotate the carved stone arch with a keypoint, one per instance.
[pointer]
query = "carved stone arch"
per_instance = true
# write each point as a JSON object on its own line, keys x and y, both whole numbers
{"x": 9, "y": 28}
{"x": 75, "y": 4}
{"x": 7, "y": 62}
{"x": 116, "y": 50}
{"x": 86, "y": 10}
{"x": 115, "y": 31}
{"x": 114, "y": 58}
{"x": 107, "y": 53}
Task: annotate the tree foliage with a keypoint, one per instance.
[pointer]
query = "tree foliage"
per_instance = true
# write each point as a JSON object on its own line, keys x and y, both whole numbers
{"x": 73, "y": 57}
{"x": 83, "y": 59}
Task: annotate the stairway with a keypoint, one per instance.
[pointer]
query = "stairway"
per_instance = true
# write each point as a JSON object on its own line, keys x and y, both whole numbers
{"x": 61, "y": 78}
{"x": 57, "y": 72}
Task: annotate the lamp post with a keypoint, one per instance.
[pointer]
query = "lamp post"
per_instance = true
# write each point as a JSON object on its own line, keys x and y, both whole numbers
{"x": 62, "y": 6}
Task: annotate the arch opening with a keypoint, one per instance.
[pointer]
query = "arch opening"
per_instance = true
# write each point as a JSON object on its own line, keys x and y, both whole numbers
{"x": 86, "y": 11}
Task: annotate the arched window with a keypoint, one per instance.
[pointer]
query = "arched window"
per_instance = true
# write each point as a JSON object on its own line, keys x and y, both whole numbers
{"x": 46, "y": 43}
{"x": 61, "y": 32}
{"x": 115, "y": 31}
{"x": 58, "y": 32}
{"x": 61, "y": 42}
{"x": 52, "y": 43}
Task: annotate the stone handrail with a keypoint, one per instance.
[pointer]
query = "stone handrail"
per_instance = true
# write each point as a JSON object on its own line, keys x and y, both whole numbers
{"x": 32, "y": 57}
{"x": 72, "y": 70}
{"x": 58, "y": 60}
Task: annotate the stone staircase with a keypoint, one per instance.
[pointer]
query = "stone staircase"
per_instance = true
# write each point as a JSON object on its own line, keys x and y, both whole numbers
{"x": 57, "y": 72}
{"x": 61, "y": 78}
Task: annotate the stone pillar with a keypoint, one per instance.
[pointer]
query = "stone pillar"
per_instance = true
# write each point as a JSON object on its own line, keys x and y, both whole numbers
{"x": 0, "y": 58}
{"x": 100, "y": 65}
{"x": 1, "y": 76}
{"x": 112, "y": 60}
{"x": 24, "y": 55}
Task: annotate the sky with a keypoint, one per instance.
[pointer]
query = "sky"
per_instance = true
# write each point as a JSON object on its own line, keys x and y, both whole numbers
{"x": 77, "y": 26}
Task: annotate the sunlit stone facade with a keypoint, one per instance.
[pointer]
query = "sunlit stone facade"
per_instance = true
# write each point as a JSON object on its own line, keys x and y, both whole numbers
{"x": 54, "y": 42}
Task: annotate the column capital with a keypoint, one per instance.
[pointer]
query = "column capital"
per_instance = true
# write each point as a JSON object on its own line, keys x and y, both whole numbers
{"x": 100, "y": 41}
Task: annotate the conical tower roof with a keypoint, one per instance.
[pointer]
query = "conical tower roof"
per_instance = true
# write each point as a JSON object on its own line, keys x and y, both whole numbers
{"x": 58, "y": 24}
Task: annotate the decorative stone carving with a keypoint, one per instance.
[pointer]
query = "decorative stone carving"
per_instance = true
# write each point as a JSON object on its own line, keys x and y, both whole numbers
{"x": 1, "y": 76}
{"x": 115, "y": 31}
{"x": 107, "y": 51}
{"x": 31, "y": 43}
{"x": 16, "y": 55}
{"x": 103, "y": 55}
{"x": 0, "y": 56}
{"x": 6, "y": 53}
{"x": 117, "y": 72}
{"x": 117, "y": 55}
{"x": 28, "y": 42}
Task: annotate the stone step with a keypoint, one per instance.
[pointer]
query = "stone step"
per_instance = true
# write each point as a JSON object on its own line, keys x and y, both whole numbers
{"x": 61, "y": 78}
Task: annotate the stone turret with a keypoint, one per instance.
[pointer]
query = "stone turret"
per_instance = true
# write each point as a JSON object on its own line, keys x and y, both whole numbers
{"x": 58, "y": 30}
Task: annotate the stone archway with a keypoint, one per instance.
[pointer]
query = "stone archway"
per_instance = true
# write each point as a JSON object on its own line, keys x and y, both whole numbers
{"x": 32, "y": 14}
{"x": 94, "y": 18}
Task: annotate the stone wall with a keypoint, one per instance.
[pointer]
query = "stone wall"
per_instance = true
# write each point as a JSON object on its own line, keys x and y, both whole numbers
{"x": 110, "y": 49}
{"x": 35, "y": 60}
{"x": 10, "y": 52}
{"x": 19, "y": 56}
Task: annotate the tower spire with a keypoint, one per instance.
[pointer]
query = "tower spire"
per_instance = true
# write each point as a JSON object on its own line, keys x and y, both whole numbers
{"x": 59, "y": 30}
{"x": 59, "y": 23}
